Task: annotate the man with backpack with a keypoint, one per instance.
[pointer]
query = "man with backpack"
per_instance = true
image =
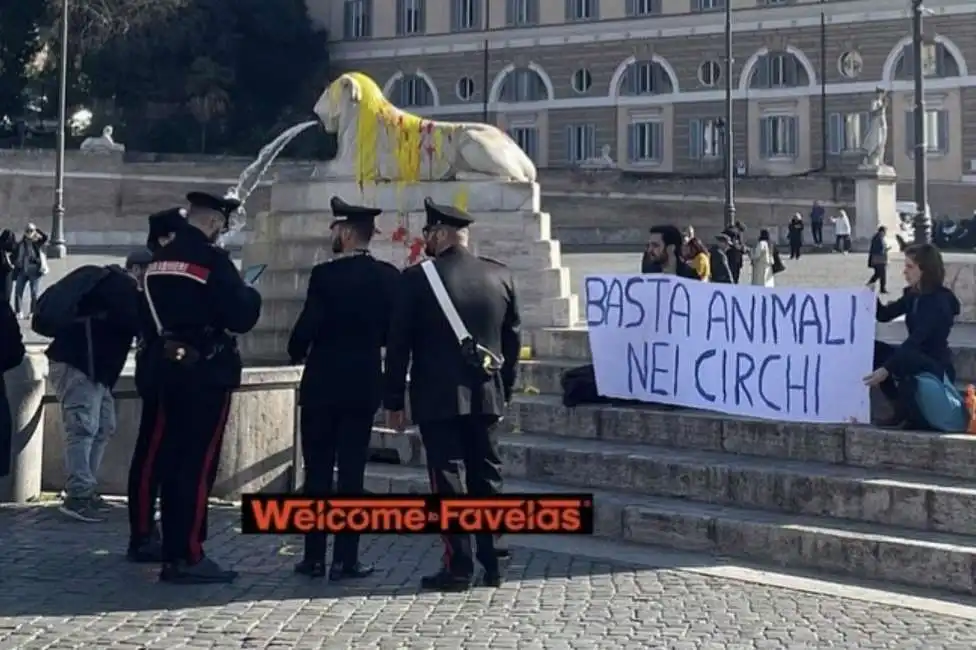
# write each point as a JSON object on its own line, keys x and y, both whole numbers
{"x": 93, "y": 315}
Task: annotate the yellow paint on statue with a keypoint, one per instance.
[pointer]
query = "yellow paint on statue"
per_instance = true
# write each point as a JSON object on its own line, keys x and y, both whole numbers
{"x": 405, "y": 133}
{"x": 461, "y": 198}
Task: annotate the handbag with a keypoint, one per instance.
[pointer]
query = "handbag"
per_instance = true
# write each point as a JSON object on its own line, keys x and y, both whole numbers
{"x": 482, "y": 363}
{"x": 778, "y": 266}
{"x": 877, "y": 260}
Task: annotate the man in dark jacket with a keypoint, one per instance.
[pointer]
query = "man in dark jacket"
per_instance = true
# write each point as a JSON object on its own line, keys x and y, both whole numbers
{"x": 11, "y": 354}
{"x": 197, "y": 303}
{"x": 663, "y": 254}
{"x": 719, "y": 261}
{"x": 342, "y": 330}
{"x": 736, "y": 252}
{"x": 460, "y": 381}
{"x": 87, "y": 358}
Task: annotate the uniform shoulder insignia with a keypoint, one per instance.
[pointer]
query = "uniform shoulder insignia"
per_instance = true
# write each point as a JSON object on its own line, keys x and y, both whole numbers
{"x": 492, "y": 260}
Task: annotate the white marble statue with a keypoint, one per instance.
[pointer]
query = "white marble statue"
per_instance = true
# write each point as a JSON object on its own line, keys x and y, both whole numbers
{"x": 380, "y": 142}
{"x": 103, "y": 143}
{"x": 877, "y": 137}
{"x": 603, "y": 161}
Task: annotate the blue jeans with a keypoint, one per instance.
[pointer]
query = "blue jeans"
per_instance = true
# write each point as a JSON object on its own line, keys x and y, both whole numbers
{"x": 88, "y": 418}
{"x": 31, "y": 280}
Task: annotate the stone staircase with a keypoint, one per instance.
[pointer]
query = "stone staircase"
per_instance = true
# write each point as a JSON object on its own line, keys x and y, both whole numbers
{"x": 856, "y": 501}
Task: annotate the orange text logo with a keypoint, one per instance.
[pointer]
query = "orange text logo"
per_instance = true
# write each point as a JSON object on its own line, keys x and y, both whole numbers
{"x": 509, "y": 514}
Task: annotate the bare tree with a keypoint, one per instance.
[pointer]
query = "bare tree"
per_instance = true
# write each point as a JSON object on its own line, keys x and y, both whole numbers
{"x": 95, "y": 21}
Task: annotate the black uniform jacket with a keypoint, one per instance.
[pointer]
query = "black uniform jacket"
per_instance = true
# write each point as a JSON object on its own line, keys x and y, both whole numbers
{"x": 11, "y": 354}
{"x": 194, "y": 290}
{"x": 483, "y": 293}
{"x": 345, "y": 321}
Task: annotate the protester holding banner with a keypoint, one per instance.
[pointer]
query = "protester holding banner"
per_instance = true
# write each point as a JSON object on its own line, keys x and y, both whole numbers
{"x": 664, "y": 253}
{"x": 930, "y": 309}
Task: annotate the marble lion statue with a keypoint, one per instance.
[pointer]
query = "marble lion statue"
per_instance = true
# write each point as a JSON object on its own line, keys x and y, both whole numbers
{"x": 379, "y": 142}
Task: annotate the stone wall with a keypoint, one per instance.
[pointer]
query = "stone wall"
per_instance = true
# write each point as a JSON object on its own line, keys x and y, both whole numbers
{"x": 107, "y": 197}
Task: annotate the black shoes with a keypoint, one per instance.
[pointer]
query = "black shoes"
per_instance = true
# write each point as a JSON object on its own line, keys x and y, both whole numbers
{"x": 341, "y": 571}
{"x": 204, "y": 572}
{"x": 310, "y": 569}
{"x": 337, "y": 571}
{"x": 492, "y": 579}
{"x": 147, "y": 552}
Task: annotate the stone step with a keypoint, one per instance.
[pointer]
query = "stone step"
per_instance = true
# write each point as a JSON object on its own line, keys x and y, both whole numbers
{"x": 906, "y": 500}
{"x": 573, "y": 343}
{"x": 943, "y": 454}
{"x": 864, "y": 551}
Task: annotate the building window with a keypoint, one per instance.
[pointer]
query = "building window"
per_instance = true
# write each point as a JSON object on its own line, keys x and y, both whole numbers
{"x": 705, "y": 139}
{"x": 357, "y": 19}
{"x": 647, "y": 78}
{"x": 846, "y": 132}
{"x": 936, "y": 132}
{"x": 519, "y": 13}
{"x": 709, "y": 73}
{"x": 577, "y": 10}
{"x": 465, "y": 15}
{"x": 937, "y": 61}
{"x": 643, "y": 7}
{"x": 523, "y": 85}
{"x": 582, "y": 80}
{"x": 645, "y": 142}
{"x": 580, "y": 142}
{"x": 410, "y": 17}
{"x": 773, "y": 3}
{"x": 778, "y": 70}
{"x": 707, "y": 5}
{"x": 527, "y": 138}
{"x": 464, "y": 89}
{"x": 778, "y": 136}
{"x": 412, "y": 91}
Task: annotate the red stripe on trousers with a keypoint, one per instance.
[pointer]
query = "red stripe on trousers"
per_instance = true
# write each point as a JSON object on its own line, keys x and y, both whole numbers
{"x": 148, "y": 469}
{"x": 203, "y": 489}
{"x": 447, "y": 545}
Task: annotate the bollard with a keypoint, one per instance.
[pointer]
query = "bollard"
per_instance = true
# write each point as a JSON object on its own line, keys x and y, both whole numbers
{"x": 26, "y": 386}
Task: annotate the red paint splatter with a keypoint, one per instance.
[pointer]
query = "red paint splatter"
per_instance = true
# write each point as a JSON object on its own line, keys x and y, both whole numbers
{"x": 416, "y": 250}
{"x": 399, "y": 235}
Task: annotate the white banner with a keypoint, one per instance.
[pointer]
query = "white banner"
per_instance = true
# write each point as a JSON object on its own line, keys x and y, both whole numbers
{"x": 781, "y": 354}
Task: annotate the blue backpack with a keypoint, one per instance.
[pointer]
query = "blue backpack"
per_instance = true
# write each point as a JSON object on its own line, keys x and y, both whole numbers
{"x": 939, "y": 404}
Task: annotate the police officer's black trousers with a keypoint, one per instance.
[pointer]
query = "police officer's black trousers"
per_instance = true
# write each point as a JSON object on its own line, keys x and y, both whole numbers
{"x": 334, "y": 438}
{"x": 467, "y": 441}
{"x": 143, "y": 488}
{"x": 195, "y": 418}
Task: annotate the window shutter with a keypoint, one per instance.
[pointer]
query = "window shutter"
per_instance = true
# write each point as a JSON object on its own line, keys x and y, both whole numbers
{"x": 760, "y": 76}
{"x": 631, "y": 7}
{"x": 570, "y": 14}
{"x": 347, "y": 25}
{"x": 510, "y": 10}
{"x": 943, "y": 123}
{"x": 476, "y": 19}
{"x": 595, "y": 9}
{"x": 863, "y": 124}
{"x": 793, "y": 144}
{"x": 764, "y": 127}
{"x": 367, "y": 18}
{"x": 696, "y": 5}
{"x": 422, "y": 16}
{"x": 532, "y": 137}
{"x": 533, "y": 11}
{"x": 399, "y": 17}
{"x": 789, "y": 70}
{"x": 696, "y": 140}
{"x": 632, "y": 151}
{"x": 571, "y": 143}
{"x": 591, "y": 141}
{"x": 835, "y": 134}
{"x": 630, "y": 79}
{"x": 657, "y": 141}
{"x": 456, "y": 15}
{"x": 655, "y": 6}
{"x": 910, "y": 132}
{"x": 908, "y": 61}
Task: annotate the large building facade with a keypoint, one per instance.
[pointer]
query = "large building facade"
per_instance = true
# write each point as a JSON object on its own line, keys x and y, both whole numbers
{"x": 645, "y": 79}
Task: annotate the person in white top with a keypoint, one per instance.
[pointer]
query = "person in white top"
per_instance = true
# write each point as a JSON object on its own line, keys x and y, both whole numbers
{"x": 762, "y": 261}
{"x": 842, "y": 231}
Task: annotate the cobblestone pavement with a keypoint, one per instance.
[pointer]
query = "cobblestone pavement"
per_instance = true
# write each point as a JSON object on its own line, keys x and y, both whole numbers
{"x": 64, "y": 584}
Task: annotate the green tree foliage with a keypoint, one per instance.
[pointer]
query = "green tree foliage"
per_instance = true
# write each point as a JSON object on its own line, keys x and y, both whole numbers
{"x": 219, "y": 75}
{"x": 20, "y": 41}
